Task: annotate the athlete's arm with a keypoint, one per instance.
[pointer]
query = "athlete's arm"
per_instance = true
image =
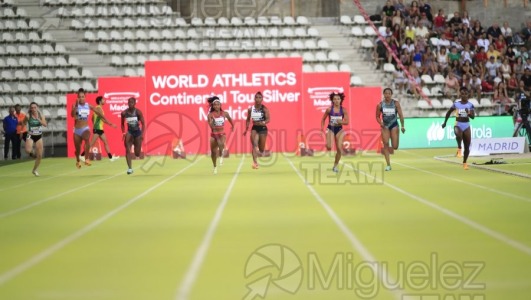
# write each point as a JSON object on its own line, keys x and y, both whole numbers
{"x": 122, "y": 115}
{"x": 227, "y": 116}
{"x": 74, "y": 109}
{"x": 267, "y": 116}
{"x": 323, "y": 119}
{"x": 448, "y": 113}
{"x": 210, "y": 120}
{"x": 42, "y": 119}
{"x": 378, "y": 113}
{"x": 141, "y": 120}
{"x": 345, "y": 118}
{"x": 247, "y": 121}
{"x": 400, "y": 116}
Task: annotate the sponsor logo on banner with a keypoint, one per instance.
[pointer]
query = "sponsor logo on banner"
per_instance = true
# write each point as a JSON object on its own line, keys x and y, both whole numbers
{"x": 117, "y": 101}
{"x": 320, "y": 96}
{"x": 436, "y": 133}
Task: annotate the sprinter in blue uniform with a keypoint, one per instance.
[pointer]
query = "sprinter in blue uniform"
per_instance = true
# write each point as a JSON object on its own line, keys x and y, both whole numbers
{"x": 337, "y": 116}
{"x": 465, "y": 112}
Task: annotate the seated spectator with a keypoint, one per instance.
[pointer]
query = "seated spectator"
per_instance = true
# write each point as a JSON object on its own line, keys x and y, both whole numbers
{"x": 493, "y": 52}
{"x": 400, "y": 80}
{"x": 466, "y": 69}
{"x": 421, "y": 44}
{"x": 414, "y": 87}
{"x": 512, "y": 85}
{"x": 455, "y": 67}
{"x": 414, "y": 12}
{"x": 500, "y": 44}
{"x": 519, "y": 67}
{"x": 483, "y": 41}
{"x": 481, "y": 57}
{"x": 380, "y": 53}
{"x": 511, "y": 55}
{"x": 439, "y": 23}
{"x": 388, "y": 12}
{"x": 507, "y": 32}
{"x": 424, "y": 21}
{"x": 475, "y": 86}
{"x": 442, "y": 59}
{"x": 405, "y": 57}
{"x": 417, "y": 58}
{"x": 451, "y": 86}
{"x": 526, "y": 78}
{"x": 505, "y": 69}
{"x": 397, "y": 19}
{"x": 429, "y": 63}
{"x": 456, "y": 19}
{"x": 467, "y": 54}
{"x": 457, "y": 44}
{"x": 492, "y": 67}
{"x": 409, "y": 31}
{"x": 465, "y": 19}
{"x": 421, "y": 31}
{"x": 443, "y": 42}
{"x": 408, "y": 45}
{"x": 526, "y": 31}
{"x": 453, "y": 55}
{"x": 425, "y": 8}
{"x": 401, "y": 7}
{"x": 493, "y": 32}
{"x": 501, "y": 97}
{"x": 477, "y": 30}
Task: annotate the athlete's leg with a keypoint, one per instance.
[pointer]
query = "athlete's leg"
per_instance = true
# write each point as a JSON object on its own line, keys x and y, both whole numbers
{"x": 86, "y": 139}
{"x": 395, "y": 136}
{"x": 29, "y": 146}
{"x": 459, "y": 140}
{"x": 385, "y": 149}
{"x": 128, "y": 143}
{"x": 339, "y": 147}
{"x": 329, "y": 137}
{"x": 467, "y": 139}
{"x": 262, "y": 138}
{"x": 77, "y": 146}
{"x": 214, "y": 147}
{"x": 254, "y": 144}
{"x": 39, "y": 149}
{"x": 103, "y": 138}
{"x": 138, "y": 145}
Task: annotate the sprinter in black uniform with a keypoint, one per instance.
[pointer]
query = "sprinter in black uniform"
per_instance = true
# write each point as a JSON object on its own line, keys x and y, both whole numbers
{"x": 134, "y": 134}
{"x": 259, "y": 114}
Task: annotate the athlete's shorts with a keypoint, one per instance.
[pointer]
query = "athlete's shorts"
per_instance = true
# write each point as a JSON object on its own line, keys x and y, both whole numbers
{"x": 393, "y": 125}
{"x": 35, "y": 138}
{"x": 462, "y": 125}
{"x": 80, "y": 131}
{"x": 217, "y": 135}
{"x": 135, "y": 133}
{"x": 97, "y": 131}
{"x": 259, "y": 129}
{"x": 335, "y": 129}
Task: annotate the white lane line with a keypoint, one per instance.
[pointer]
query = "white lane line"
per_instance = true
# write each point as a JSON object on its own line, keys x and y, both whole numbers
{"x": 26, "y": 207}
{"x": 486, "y": 188}
{"x": 356, "y": 243}
{"x": 494, "y": 234}
{"x": 28, "y": 264}
{"x": 193, "y": 270}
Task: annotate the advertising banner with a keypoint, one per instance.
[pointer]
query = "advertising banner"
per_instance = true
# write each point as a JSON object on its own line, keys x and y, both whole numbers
{"x": 364, "y": 132}
{"x": 428, "y": 133}
{"x": 177, "y": 93}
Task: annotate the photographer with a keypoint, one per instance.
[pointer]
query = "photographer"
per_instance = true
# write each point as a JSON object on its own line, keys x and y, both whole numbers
{"x": 522, "y": 109}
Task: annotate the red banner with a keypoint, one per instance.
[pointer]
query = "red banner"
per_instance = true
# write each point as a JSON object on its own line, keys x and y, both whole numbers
{"x": 364, "y": 132}
{"x": 177, "y": 93}
{"x": 317, "y": 88}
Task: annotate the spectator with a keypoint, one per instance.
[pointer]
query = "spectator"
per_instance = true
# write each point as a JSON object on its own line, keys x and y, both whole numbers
{"x": 388, "y": 12}
{"x": 505, "y": 69}
{"x": 455, "y": 20}
{"x": 465, "y": 19}
{"x": 493, "y": 52}
{"x": 467, "y": 54}
{"x": 10, "y": 123}
{"x": 401, "y": 7}
{"x": 526, "y": 78}
{"x": 398, "y": 19}
{"x": 500, "y": 44}
{"x": 429, "y": 63}
{"x": 501, "y": 97}
{"x": 409, "y": 46}
{"x": 439, "y": 23}
{"x": 526, "y": 31}
{"x": 414, "y": 12}
{"x": 442, "y": 59}
{"x": 519, "y": 68}
{"x": 422, "y": 31}
{"x": 451, "y": 86}
{"x": 409, "y": 31}
{"x": 380, "y": 53}
{"x": 491, "y": 67}
{"x": 400, "y": 80}
{"x": 425, "y": 8}
{"x": 466, "y": 69}
{"x": 455, "y": 68}
{"x": 475, "y": 86}
{"x": 456, "y": 43}
{"x": 511, "y": 55}
{"x": 425, "y": 22}
{"x": 512, "y": 85}
{"x": 22, "y": 130}
{"x": 477, "y": 30}
{"x": 493, "y": 32}
{"x": 453, "y": 55}
{"x": 417, "y": 58}
{"x": 507, "y": 32}
{"x": 482, "y": 41}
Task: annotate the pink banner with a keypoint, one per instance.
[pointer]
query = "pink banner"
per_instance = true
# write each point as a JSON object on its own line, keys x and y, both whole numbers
{"x": 364, "y": 131}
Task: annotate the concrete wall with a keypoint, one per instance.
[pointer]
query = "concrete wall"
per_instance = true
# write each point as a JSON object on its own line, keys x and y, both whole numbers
{"x": 514, "y": 12}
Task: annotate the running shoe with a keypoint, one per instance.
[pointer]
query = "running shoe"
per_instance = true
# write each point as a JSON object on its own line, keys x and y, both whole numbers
{"x": 465, "y": 166}
{"x": 35, "y": 173}
{"x": 78, "y": 164}
{"x": 215, "y": 171}
{"x": 88, "y": 163}
{"x": 255, "y": 166}
{"x": 388, "y": 168}
{"x": 129, "y": 171}
{"x": 459, "y": 154}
